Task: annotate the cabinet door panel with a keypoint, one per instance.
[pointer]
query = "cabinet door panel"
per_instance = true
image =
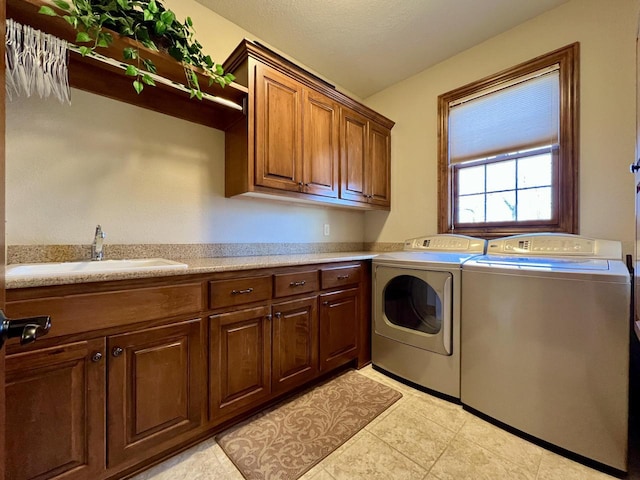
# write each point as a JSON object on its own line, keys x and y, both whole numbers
{"x": 379, "y": 186}
{"x": 295, "y": 342}
{"x": 55, "y": 413}
{"x": 277, "y": 132}
{"x": 320, "y": 145}
{"x": 354, "y": 154}
{"x": 240, "y": 361}
{"x": 339, "y": 328}
{"x": 155, "y": 388}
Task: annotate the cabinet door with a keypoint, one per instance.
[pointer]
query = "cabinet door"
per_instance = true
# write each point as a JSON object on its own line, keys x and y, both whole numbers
{"x": 339, "y": 327}
{"x": 295, "y": 342}
{"x": 55, "y": 412}
{"x": 378, "y": 176}
{"x": 240, "y": 361}
{"x": 278, "y": 143}
{"x": 353, "y": 156}
{"x": 155, "y": 389}
{"x": 320, "y": 144}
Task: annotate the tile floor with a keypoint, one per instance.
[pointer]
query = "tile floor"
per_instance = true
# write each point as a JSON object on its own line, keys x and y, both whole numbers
{"x": 418, "y": 437}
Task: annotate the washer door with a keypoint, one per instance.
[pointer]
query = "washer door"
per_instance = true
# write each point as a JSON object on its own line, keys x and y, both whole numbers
{"x": 414, "y": 307}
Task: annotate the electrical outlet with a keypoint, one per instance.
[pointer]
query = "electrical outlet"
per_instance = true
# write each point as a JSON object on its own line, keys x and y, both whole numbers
{"x": 327, "y": 230}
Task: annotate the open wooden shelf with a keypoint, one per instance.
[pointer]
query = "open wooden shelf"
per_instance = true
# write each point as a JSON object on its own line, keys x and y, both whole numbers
{"x": 91, "y": 75}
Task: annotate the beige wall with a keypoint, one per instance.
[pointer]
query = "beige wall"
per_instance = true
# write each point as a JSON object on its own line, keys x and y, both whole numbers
{"x": 146, "y": 177}
{"x": 606, "y": 31}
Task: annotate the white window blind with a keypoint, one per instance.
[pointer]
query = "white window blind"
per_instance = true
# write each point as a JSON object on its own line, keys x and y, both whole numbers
{"x": 518, "y": 117}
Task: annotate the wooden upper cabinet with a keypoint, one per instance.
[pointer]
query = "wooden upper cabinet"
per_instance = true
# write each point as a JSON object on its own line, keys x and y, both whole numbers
{"x": 379, "y": 176}
{"x": 55, "y": 406}
{"x": 302, "y": 138}
{"x": 278, "y": 136}
{"x": 365, "y": 160}
{"x": 320, "y": 144}
{"x": 355, "y": 151}
{"x": 156, "y": 389}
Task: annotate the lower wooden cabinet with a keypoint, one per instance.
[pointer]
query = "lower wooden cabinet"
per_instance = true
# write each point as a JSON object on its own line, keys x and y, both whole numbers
{"x": 55, "y": 412}
{"x": 156, "y": 388}
{"x": 295, "y": 343}
{"x": 240, "y": 360}
{"x": 339, "y": 328}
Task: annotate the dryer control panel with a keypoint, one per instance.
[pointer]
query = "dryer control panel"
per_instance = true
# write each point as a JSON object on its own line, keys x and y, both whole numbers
{"x": 446, "y": 243}
{"x": 555, "y": 245}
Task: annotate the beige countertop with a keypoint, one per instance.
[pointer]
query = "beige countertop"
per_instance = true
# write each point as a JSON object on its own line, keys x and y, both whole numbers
{"x": 194, "y": 266}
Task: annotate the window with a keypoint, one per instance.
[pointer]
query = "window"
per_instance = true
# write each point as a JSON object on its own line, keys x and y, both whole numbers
{"x": 508, "y": 150}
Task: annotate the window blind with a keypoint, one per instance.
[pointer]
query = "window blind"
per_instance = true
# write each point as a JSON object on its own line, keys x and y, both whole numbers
{"x": 515, "y": 118}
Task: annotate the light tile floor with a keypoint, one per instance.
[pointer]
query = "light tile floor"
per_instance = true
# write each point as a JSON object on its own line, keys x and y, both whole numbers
{"x": 418, "y": 437}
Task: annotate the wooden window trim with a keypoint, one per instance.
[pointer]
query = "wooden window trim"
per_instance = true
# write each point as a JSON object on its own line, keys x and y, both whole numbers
{"x": 568, "y": 151}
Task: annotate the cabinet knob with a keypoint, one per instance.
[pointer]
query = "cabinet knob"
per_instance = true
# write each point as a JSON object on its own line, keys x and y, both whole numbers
{"x": 326, "y": 302}
{"x": 278, "y": 314}
{"x": 268, "y": 317}
{"x": 96, "y": 357}
{"x": 117, "y": 351}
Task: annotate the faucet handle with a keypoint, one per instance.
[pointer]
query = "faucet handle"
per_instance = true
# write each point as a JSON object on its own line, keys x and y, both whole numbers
{"x": 99, "y": 232}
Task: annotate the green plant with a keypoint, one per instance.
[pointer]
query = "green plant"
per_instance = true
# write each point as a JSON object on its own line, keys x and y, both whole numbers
{"x": 149, "y": 23}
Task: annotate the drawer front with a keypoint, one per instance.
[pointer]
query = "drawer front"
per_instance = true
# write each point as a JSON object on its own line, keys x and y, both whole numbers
{"x": 293, "y": 283}
{"x": 94, "y": 311}
{"x": 340, "y": 276}
{"x": 227, "y": 293}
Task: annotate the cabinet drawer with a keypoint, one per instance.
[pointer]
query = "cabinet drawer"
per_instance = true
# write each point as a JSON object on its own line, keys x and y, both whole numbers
{"x": 293, "y": 283}
{"x": 340, "y": 276}
{"x": 226, "y": 293}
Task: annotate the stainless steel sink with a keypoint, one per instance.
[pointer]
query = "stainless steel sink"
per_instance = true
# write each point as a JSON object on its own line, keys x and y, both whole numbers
{"x": 29, "y": 270}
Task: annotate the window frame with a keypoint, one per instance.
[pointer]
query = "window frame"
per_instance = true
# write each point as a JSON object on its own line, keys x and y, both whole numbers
{"x": 565, "y": 157}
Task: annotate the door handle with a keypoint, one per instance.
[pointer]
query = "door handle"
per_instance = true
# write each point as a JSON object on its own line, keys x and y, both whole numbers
{"x": 634, "y": 167}
{"x": 27, "y": 329}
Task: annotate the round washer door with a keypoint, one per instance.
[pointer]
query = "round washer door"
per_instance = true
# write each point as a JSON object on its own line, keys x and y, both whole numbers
{"x": 414, "y": 307}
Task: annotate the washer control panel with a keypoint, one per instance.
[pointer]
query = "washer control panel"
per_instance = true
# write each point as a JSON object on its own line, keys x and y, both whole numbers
{"x": 552, "y": 245}
{"x": 446, "y": 243}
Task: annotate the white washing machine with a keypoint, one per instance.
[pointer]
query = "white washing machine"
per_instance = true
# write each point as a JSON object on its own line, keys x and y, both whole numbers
{"x": 416, "y": 310}
{"x": 545, "y": 341}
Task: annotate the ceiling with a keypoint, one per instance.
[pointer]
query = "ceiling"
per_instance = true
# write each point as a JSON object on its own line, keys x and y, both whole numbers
{"x": 367, "y": 45}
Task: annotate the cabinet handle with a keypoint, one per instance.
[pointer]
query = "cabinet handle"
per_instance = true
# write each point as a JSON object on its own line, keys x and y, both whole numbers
{"x": 343, "y": 277}
{"x": 269, "y": 316}
{"x": 117, "y": 351}
{"x": 326, "y": 302}
{"x": 297, "y": 284}
{"x": 241, "y": 292}
{"x": 278, "y": 314}
{"x": 96, "y": 357}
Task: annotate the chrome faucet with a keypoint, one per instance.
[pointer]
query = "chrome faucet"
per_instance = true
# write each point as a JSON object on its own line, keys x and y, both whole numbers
{"x": 97, "y": 252}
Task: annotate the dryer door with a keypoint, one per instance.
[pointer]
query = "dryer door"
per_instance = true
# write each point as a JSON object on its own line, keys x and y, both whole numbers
{"x": 413, "y": 306}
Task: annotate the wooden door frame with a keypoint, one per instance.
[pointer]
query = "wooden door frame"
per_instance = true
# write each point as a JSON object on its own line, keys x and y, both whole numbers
{"x": 2, "y": 230}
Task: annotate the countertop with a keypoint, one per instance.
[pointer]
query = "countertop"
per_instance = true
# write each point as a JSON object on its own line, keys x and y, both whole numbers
{"x": 194, "y": 266}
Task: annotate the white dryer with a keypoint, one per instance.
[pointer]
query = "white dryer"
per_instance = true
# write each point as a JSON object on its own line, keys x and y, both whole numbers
{"x": 416, "y": 310}
{"x": 545, "y": 341}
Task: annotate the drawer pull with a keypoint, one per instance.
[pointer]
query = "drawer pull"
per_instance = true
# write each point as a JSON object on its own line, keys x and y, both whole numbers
{"x": 96, "y": 357}
{"x": 117, "y": 351}
{"x": 343, "y": 277}
{"x": 297, "y": 284}
{"x": 241, "y": 292}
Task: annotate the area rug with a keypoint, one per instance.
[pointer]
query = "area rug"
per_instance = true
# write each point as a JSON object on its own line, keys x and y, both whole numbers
{"x": 285, "y": 441}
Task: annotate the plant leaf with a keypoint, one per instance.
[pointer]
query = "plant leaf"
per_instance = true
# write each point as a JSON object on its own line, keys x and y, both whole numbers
{"x": 131, "y": 70}
{"x": 148, "y": 80}
{"x": 189, "y": 22}
{"x": 138, "y": 86}
{"x": 168, "y": 17}
{"x": 124, "y": 4}
{"x": 147, "y": 15}
{"x": 73, "y": 21}
{"x": 153, "y": 6}
{"x": 63, "y": 5}
{"x": 149, "y": 65}
{"x": 44, "y": 10}
{"x": 160, "y": 27}
{"x": 84, "y": 51}
{"x": 104, "y": 39}
{"x": 83, "y": 37}
{"x": 130, "y": 53}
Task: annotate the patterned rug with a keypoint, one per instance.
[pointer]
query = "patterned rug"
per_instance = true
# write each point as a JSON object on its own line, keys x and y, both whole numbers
{"x": 284, "y": 442}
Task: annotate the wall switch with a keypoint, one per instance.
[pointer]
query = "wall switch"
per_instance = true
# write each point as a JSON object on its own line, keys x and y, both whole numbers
{"x": 327, "y": 230}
